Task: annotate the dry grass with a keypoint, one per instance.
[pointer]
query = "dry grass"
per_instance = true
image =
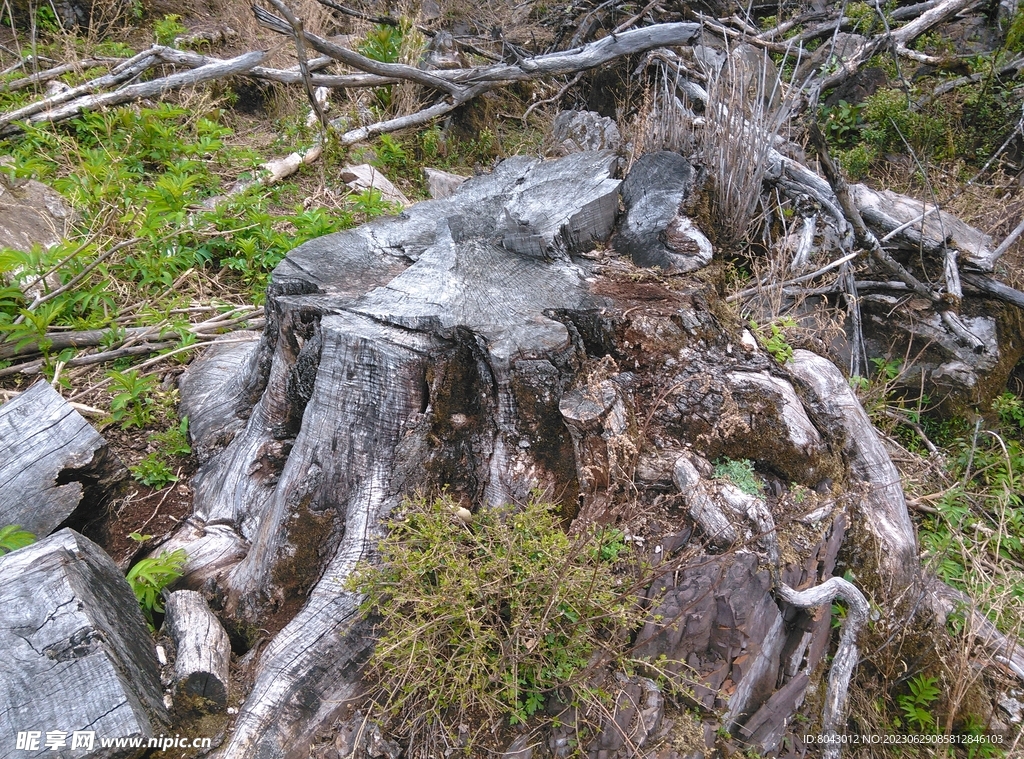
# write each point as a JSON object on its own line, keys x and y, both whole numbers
{"x": 744, "y": 114}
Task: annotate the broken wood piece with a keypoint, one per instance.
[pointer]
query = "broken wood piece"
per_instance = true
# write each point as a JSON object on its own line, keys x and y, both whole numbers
{"x": 203, "y": 650}
{"x": 846, "y": 655}
{"x": 366, "y": 177}
{"x": 77, "y": 653}
{"x": 56, "y": 463}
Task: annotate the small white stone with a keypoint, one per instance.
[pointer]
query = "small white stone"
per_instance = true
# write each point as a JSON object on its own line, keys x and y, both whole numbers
{"x": 748, "y": 341}
{"x": 161, "y": 656}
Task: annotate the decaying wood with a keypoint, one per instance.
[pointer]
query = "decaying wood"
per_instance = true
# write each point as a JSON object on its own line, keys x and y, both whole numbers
{"x": 69, "y": 108}
{"x": 202, "y": 650}
{"x": 380, "y": 305}
{"x": 845, "y": 658}
{"x": 55, "y": 462}
{"x": 78, "y": 654}
{"x": 882, "y": 504}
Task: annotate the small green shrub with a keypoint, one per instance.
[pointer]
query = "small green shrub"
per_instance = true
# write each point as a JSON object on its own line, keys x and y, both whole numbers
{"x": 842, "y": 123}
{"x": 489, "y": 620}
{"x": 132, "y": 405}
{"x": 1010, "y": 409}
{"x": 168, "y": 28}
{"x": 154, "y": 472}
{"x": 155, "y": 469}
{"x": 151, "y": 575}
{"x": 740, "y": 472}
{"x": 12, "y": 537}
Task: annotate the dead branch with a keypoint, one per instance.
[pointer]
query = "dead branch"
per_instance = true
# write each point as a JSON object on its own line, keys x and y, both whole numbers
{"x": 88, "y": 102}
{"x": 56, "y": 71}
{"x": 996, "y": 289}
{"x": 354, "y": 59}
{"x": 300, "y": 53}
{"x": 867, "y": 240}
{"x": 126, "y": 71}
{"x": 846, "y": 655}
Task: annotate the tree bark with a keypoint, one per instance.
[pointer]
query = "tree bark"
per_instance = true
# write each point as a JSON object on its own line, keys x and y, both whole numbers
{"x": 55, "y": 462}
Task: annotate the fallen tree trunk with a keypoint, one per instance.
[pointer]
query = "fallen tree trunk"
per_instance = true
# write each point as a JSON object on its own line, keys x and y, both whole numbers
{"x": 55, "y": 463}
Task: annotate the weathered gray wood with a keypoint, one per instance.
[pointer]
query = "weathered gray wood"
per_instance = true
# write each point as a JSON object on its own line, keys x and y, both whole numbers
{"x": 202, "y": 650}
{"x": 921, "y": 225}
{"x": 213, "y": 395}
{"x": 996, "y": 289}
{"x": 846, "y": 655}
{"x": 655, "y": 232}
{"x": 77, "y": 653}
{"x": 55, "y": 462}
{"x": 140, "y": 90}
{"x": 882, "y": 505}
{"x": 381, "y": 340}
{"x": 597, "y": 419}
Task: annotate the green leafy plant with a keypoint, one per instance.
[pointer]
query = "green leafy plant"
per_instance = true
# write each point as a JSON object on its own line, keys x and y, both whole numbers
{"x": 740, "y": 472}
{"x": 981, "y": 747}
{"x": 154, "y": 472}
{"x": 916, "y": 705}
{"x": 132, "y": 405}
{"x": 491, "y": 618}
{"x": 168, "y": 28}
{"x": 383, "y": 43}
{"x": 842, "y": 123}
{"x": 149, "y": 576}
{"x": 1010, "y": 409}
{"x": 773, "y": 337}
{"x": 12, "y": 537}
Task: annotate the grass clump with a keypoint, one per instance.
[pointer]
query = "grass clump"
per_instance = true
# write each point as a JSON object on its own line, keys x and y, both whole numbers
{"x": 490, "y": 620}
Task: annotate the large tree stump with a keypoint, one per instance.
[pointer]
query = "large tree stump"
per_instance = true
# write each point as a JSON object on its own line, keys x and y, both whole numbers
{"x": 468, "y": 344}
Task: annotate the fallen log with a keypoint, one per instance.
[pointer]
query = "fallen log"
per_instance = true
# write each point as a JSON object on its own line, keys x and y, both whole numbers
{"x": 80, "y": 666}
{"x": 202, "y": 651}
{"x": 57, "y": 464}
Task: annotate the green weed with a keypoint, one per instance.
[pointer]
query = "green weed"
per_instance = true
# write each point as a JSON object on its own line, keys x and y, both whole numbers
{"x": 12, "y": 537}
{"x": 156, "y": 470}
{"x": 167, "y": 29}
{"x": 132, "y": 404}
{"x": 149, "y": 576}
{"x": 740, "y": 472}
{"x": 773, "y": 337}
{"x": 503, "y": 614}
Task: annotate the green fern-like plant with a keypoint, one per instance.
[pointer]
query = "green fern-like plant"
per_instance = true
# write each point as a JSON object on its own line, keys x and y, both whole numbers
{"x": 916, "y": 705}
